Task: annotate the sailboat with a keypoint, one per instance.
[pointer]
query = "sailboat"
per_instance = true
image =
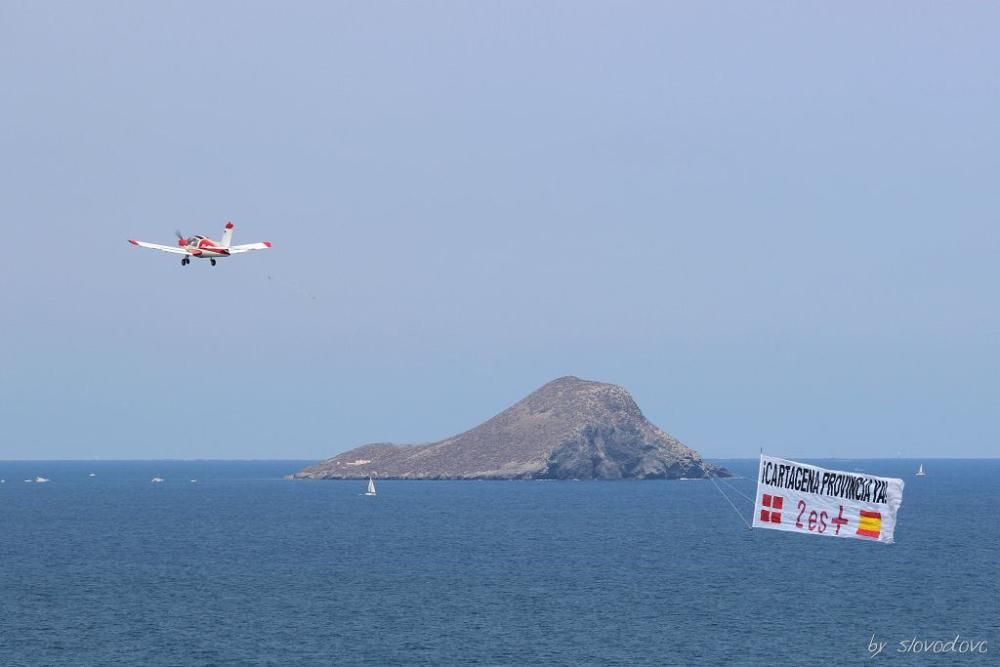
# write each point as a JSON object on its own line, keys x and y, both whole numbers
{"x": 371, "y": 487}
{"x": 920, "y": 471}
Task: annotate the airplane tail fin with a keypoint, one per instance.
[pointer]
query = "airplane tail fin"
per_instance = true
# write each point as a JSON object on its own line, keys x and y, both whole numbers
{"x": 227, "y": 236}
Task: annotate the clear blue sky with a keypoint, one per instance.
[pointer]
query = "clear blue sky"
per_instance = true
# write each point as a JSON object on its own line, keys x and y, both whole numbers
{"x": 775, "y": 223}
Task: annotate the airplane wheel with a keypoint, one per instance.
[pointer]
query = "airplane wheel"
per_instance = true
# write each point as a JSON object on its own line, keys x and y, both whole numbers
{"x": 213, "y": 262}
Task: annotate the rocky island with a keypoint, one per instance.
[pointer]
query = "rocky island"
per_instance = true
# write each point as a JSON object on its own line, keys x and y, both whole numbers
{"x": 568, "y": 429}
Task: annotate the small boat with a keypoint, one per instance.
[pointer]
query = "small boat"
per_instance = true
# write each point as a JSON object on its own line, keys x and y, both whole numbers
{"x": 156, "y": 480}
{"x": 920, "y": 471}
{"x": 40, "y": 480}
{"x": 371, "y": 487}
{"x": 92, "y": 475}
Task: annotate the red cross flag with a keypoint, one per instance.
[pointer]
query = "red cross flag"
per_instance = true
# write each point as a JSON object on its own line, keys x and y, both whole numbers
{"x": 803, "y": 498}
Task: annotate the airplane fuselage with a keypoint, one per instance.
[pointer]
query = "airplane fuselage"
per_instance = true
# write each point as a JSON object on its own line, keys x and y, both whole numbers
{"x": 204, "y": 247}
{"x": 206, "y": 253}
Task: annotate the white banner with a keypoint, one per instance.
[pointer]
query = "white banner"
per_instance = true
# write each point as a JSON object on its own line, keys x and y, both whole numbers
{"x": 807, "y": 499}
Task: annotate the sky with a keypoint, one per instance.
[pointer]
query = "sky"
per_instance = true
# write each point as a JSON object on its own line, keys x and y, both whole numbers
{"x": 775, "y": 223}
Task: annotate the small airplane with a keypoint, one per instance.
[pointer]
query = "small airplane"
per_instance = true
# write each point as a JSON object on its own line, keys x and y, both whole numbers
{"x": 203, "y": 247}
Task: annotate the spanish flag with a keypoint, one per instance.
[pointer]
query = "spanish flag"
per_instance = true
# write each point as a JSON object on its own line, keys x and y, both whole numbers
{"x": 869, "y": 524}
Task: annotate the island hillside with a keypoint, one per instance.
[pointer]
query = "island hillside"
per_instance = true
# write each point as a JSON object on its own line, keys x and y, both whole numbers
{"x": 568, "y": 429}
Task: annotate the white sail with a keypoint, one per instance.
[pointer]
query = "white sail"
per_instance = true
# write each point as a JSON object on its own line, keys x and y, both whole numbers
{"x": 371, "y": 487}
{"x": 920, "y": 470}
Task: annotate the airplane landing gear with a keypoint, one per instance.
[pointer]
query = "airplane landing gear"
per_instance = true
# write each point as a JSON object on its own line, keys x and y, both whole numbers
{"x": 185, "y": 261}
{"x": 212, "y": 261}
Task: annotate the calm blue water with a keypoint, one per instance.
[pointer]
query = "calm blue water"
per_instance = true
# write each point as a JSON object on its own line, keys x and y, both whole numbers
{"x": 243, "y": 568}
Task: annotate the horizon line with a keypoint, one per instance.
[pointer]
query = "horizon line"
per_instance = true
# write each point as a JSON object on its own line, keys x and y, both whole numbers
{"x": 706, "y": 458}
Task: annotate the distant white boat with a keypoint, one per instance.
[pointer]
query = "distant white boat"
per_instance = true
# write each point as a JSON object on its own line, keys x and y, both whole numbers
{"x": 40, "y": 480}
{"x": 371, "y": 487}
{"x": 156, "y": 480}
{"x": 920, "y": 471}
{"x": 194, "y": 481}
{"x": 92, "y": 475}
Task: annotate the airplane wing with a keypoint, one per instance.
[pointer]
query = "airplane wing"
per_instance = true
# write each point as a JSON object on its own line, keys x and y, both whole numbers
{"x": 165, "y": 248}
{"x": 247, "y": 247}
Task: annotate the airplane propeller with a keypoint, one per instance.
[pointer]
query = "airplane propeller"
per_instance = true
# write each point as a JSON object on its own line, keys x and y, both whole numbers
{"x": 181, "y": 241}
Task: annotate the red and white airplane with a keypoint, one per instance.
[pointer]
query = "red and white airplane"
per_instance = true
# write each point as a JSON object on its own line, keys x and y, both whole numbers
{"x": 203, "y": 247}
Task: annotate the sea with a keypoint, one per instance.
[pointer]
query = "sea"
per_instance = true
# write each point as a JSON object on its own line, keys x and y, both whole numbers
{"x": 101, "y": 566}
